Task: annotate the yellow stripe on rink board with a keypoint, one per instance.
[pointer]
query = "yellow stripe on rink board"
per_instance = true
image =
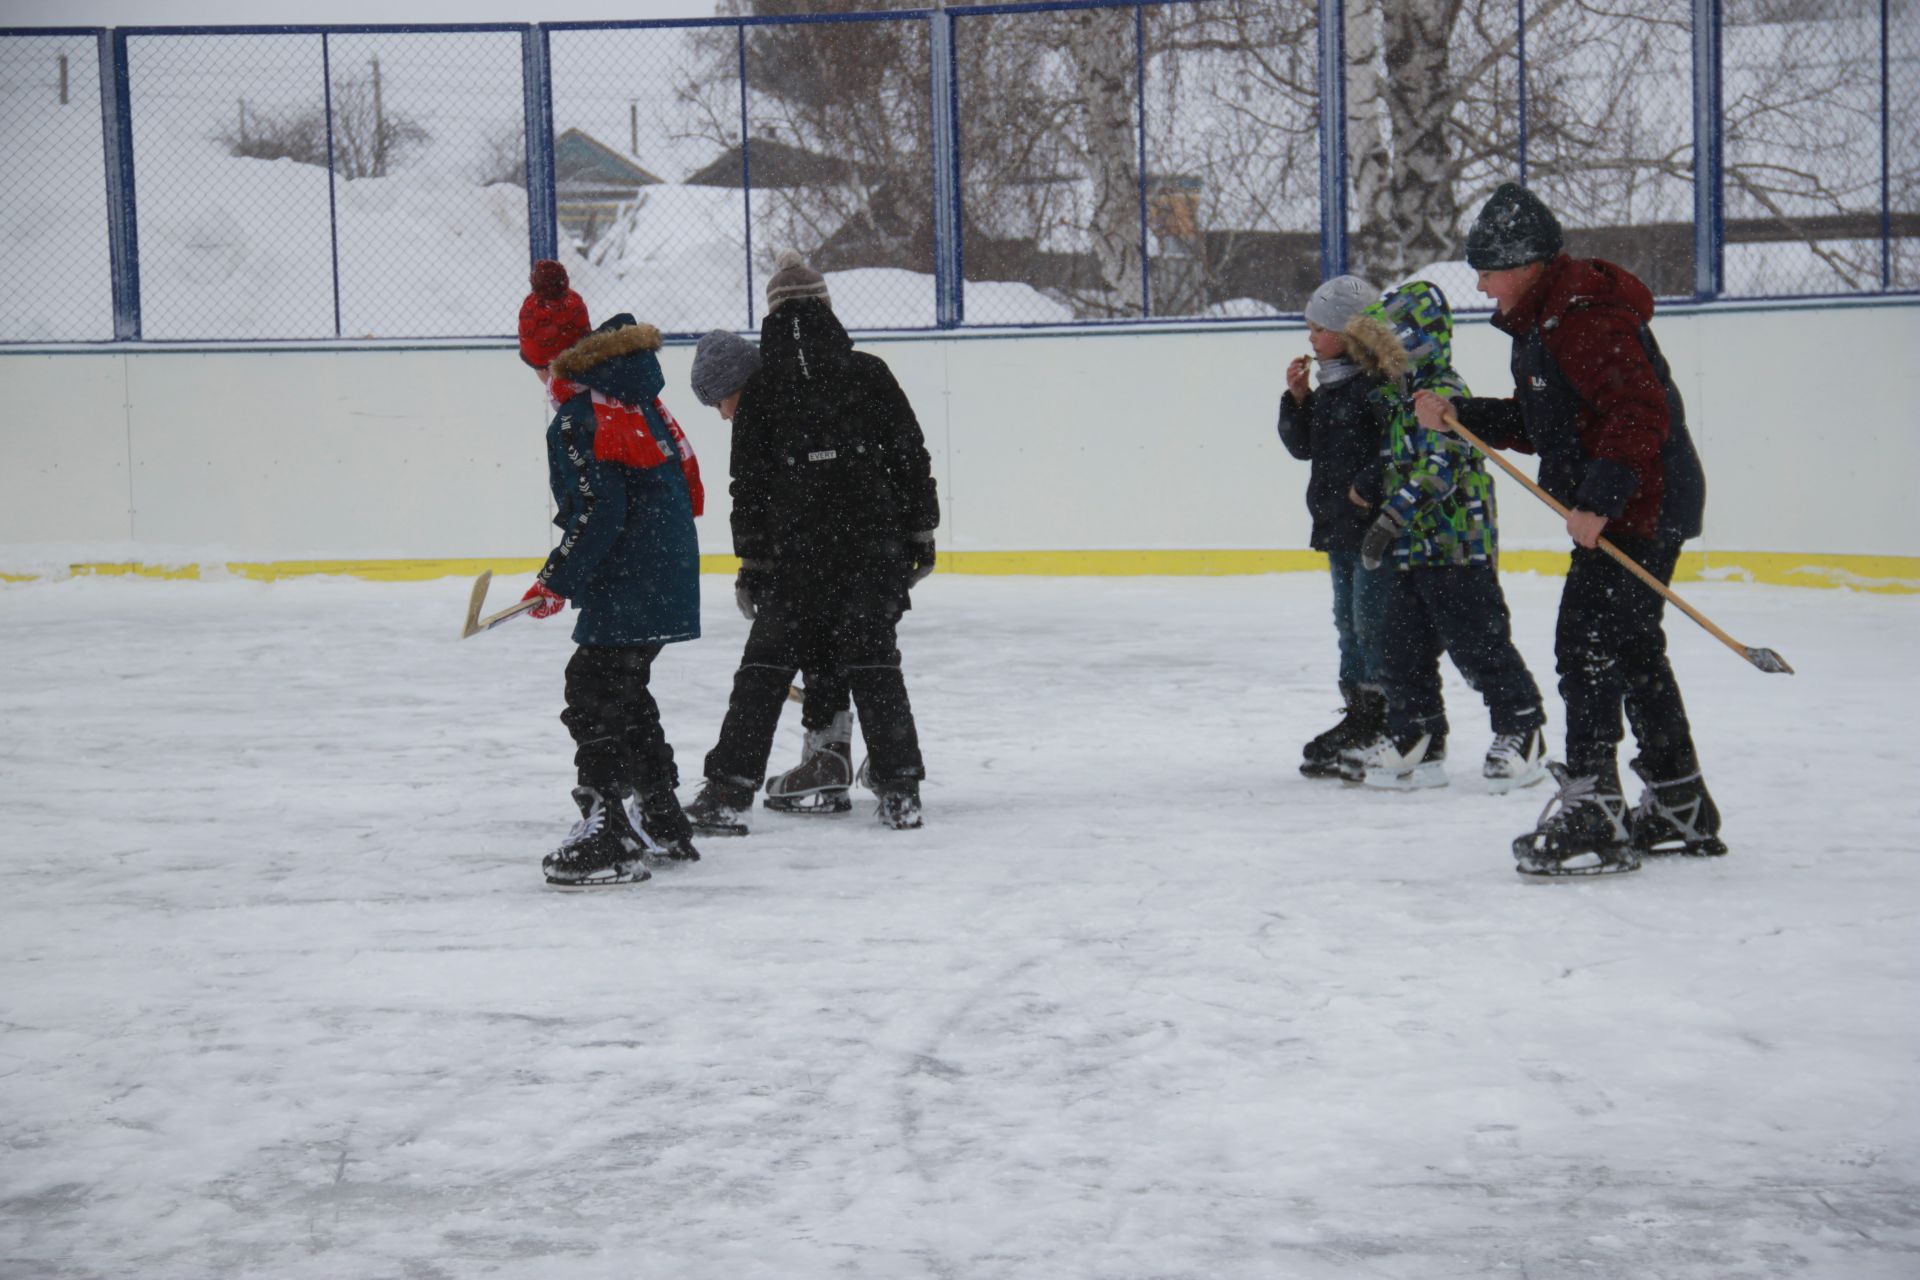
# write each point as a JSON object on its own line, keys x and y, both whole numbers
{"x": 1889, "y": 574}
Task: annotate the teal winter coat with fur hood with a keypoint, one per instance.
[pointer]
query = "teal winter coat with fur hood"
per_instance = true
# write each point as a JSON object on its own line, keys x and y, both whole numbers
{"x": 626, "y": 489}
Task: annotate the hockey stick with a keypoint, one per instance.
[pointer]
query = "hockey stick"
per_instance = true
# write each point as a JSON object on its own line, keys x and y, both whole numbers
{"x": 1765, "y": 659}
{"x": 475, "y": 624}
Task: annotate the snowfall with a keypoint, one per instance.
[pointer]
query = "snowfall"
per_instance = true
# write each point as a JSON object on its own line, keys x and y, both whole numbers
{"x": 283, "y": 993}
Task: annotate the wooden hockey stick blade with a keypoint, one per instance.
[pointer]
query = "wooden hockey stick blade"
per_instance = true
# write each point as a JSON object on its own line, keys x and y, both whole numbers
{"x": 506, "y": 615}
{"x": 796, "y": 693}
{"x": 474, "y": 601}
{"x": 1764, "y": 659}
{"x": 475, "y": 624}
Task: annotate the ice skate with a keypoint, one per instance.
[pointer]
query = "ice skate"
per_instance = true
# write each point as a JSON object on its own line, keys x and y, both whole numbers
{"x": 818, "y": 784}
{"x": 899, "y": 806}
{"x": 1515, "y": 760}
{"x": 1411, "y": 761}
{"x": 1676, "y": 816}
{"x": 664, "y": 827}
{"x": 1365, "y": 715}
{"x": 602, "y": 848}
{"x": 721, "y": 808}
{"x": 1582, "y": 831}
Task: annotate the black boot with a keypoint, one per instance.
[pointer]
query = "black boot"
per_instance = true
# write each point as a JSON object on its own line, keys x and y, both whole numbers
{"x": 900, "y": 805}
{"x": 602, "y": 849}
{"x": 721, "y": 807}
{"x": 1582, "y": 831}
{"x": 668, "y": 833}
{"x": 1364, "y": 717}
{"x": 1676, "y": 816}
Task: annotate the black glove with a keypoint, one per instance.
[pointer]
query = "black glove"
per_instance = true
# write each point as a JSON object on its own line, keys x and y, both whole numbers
{"x": 919, "y": 557}
{"x": 748, "y": 586}
{"x": 1387, "y": 526}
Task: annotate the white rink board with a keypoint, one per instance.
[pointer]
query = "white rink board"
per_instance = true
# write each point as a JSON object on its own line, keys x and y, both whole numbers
{"x": 1108, "y": 440}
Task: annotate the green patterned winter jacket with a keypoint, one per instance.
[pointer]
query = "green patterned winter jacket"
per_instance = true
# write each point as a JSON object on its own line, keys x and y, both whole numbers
{"x": 1435, "y": 482}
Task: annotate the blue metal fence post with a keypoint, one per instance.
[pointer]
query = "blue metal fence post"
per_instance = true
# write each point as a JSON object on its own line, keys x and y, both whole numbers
{"x": 536, "y": 84}
{"x": 1333, "y": 138}
{"x": 949, "y": 301}
{"x": 1709, "y": 206}
{"x": 123, "y": 224}
{"x": 1520, "y": 79}
{"x": 746, "y": 171}
{"x": 1886, "y": 156}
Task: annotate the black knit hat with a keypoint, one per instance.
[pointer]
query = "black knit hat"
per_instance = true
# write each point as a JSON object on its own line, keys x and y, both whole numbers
{"x": 1513, "y": 229}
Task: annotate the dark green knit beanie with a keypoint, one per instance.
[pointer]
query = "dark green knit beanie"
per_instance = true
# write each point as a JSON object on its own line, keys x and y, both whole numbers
{"x": 1513, "y": 229}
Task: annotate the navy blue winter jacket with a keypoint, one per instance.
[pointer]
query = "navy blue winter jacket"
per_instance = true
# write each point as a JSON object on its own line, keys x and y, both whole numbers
{"x": 628, "y": 557}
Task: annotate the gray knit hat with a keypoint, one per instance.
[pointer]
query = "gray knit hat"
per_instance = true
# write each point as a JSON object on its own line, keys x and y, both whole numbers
{"x": 722, "y": 363}
{"x": 793, "y": 278}
{"x": 1340, "y": 300}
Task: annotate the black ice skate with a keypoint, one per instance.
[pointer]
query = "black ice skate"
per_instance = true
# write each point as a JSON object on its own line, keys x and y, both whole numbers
{"x": 721, "y": 808}
{"x": 1582, "y": 831}
{"x": 1365, "y": 716}
{"x": 899, "y": 806}
{"x": 1409, "y": 761}
{"x": 1515, "y": 760}
{"x": 818, "y": 784}
{"x": 664, "y": 825}
{"x": 602, "y": 849}
{"x": 1677, "y": 816}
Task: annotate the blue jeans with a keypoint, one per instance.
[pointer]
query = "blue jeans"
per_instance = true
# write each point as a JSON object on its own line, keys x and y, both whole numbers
{"x": 1359, "y": 615}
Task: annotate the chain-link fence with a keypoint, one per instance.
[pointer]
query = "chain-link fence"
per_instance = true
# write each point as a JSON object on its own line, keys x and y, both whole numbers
{"x": 351, "y": 183}
{"x": 978, "y": 165}
{"x": 56, "y": 268}
{"x": 1822, "y": 113}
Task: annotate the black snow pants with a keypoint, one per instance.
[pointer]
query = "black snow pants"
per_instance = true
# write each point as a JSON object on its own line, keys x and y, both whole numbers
{"x": 619, "y": 747}
{"x": 1612, "y": 655}
{"x": 844, "y": 631}
{"x": 1458, "y": 609}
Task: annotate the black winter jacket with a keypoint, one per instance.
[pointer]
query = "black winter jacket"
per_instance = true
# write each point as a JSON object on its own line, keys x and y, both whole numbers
{"x": 830, "y": 470}
{"x": 1342, "y": 430}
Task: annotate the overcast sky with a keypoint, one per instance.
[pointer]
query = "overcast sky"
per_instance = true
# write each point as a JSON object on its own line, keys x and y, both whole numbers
{"x": 157, "y": 13}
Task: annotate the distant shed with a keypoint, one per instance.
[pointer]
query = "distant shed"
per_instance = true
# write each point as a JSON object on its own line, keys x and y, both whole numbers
{"x": 591, "y": 182}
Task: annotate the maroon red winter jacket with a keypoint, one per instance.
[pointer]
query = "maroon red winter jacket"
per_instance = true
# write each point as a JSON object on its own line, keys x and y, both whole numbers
{"x": 1588, "y": 396}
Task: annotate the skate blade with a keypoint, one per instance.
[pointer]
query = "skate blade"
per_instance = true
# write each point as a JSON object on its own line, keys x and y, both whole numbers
{"x": 1500, "y": 786}
{"x": 1708, "y": 848}
{"x": 1543, "y": 872}
{"x": 639, "y": 875}
{"x": 819, "y": 803}
{"x": 1420, "y": 778}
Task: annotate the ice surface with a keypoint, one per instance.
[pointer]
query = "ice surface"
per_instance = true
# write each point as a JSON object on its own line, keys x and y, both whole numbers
{"x": 282, "y": 994}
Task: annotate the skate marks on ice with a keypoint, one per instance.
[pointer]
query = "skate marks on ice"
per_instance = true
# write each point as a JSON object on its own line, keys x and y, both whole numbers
{"x": 1137, "y": 1002}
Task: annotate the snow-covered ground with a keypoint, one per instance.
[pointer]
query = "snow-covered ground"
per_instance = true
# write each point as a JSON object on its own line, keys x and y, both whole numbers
{"x": 282, "y": 994}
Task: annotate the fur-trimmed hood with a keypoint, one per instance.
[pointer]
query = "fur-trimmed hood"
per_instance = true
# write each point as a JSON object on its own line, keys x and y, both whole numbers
{"x": 617, "y": 360}
{"x": 620, "y": 336}
{"x": 1407, "y": 338}
{"x": 1376, "y": 348}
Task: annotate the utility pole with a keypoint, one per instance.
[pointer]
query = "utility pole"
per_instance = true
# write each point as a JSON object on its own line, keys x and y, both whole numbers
{"x": 379, "y": 125}
{"x": 633, "y": 127}
{"x": 63, "y": 79}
